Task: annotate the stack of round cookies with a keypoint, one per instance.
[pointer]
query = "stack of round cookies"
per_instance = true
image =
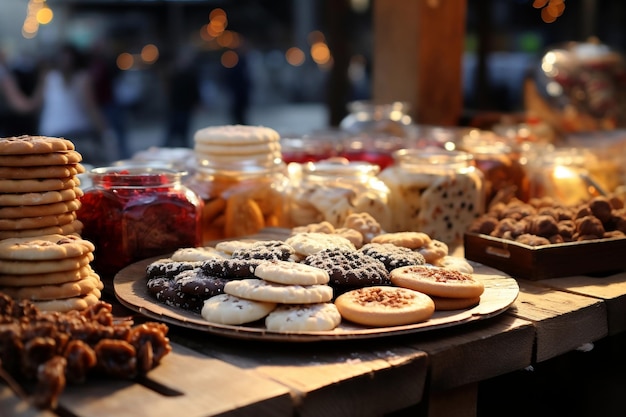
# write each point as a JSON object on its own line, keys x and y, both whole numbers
{"x": 237, "y": 144}
{"x": 52, "y": 271}
{"x": 39, "y": 189}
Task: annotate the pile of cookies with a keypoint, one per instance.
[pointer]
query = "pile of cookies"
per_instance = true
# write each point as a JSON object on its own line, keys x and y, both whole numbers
{"x": 39, "y": 188}
{"x": 52, "y": 271}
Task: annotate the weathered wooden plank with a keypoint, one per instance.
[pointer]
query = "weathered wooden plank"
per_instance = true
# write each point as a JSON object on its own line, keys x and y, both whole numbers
{"x": 611, "y": 289}
{"x": 563, "y": 321}
{"x": 13, "y": 406}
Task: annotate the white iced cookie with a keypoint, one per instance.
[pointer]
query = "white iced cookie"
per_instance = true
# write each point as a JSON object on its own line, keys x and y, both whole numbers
{"x": 303, "y": 318}
{"x": 261, "y": 290}
{"x": 229, "y": 309}
{"x": 197, "y": 254}
{"x": 290, "y": 273}
{"x": 310, "y": 243}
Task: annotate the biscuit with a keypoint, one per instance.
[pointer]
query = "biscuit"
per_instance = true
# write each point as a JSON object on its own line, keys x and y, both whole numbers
{"x": 16, "y": 212}
{"x": 39, "y": 172}
{"x": 349, "y": 269}
{"x": 39, "y": 198}
{"x": 291, "y": 273}
{"x": 218, "y": 150}
{"x": 69, "y": 304}
{"x": 231, "y": 268}
{"x": 261, "y": 290}
{"x": 243, "y": 216}
{"x": 38, "y": 185}
{"x": 268, "y": 250}
{"x": 352, "y": 235}
{"x": 167, "y": 292}
{"x": 167, "y": 267}
{"x": 43, "y": 267}
{"x": 197, "y": 254}
{"x": 456, "y": 263}
{"x": 310, "y": 243}
{"x": 303, "y": 318}
{"x": 47, "y": 247}
{"x": 27, "y": 280}
{"x": 75, "y": 227}
{"x": 447, "y": 303}
{"x": 25, "y": 144}
{"x": 232, "y": 245}
{"x": 41, "y": 159}
{"x": 382, "y": 306}
{"x": 433, "y": 251}
{"x": 197, "y": 284}
{"x": 411, "y": 240}
{"x": 38, "y": 222}
{"x": 364, "y": 223}
{"x": 232, "y": 135}
{"x": 393, "y": 256}
{"x": 55, "y": 291}
{"x": 232, "y": 310}
{"x": 437, "y": 281}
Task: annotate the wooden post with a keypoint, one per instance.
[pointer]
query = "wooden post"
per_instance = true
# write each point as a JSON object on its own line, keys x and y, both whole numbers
{"x": 418, "y": 48}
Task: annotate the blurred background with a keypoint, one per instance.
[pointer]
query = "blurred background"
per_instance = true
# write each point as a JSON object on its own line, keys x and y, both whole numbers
{"x": 167, "y": 68}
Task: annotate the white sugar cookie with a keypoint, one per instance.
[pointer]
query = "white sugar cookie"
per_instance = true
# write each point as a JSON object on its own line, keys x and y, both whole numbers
{"x": 303, "y": 318}
{"x": 291, "y": 273}
{"x": 310, "y": 243}
{"x": 197, "y": 254}
{"x": 229, "y": 309}
{"x": 261, "y": 290}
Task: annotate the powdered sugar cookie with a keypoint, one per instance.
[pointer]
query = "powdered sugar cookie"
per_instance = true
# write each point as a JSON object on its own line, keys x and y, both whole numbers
{"x": 267, "y": 250}
{"x": 291, "y": 273}
{"x": 310, "y": 243}
{"x": 382, "y": 306}
{"x": 393, "y": 256}
{"x": 303, "y": 318}
{"x": 437, "y": 281}
{"x": 349, "y": 269}
{"x": 230, "y": 246}
{"x": 197, "y": 254}
{"x": 229, "y": 309}
{"x": 261, "y": 290}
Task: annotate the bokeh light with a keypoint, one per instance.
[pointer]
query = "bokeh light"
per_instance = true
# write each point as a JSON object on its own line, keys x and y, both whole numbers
{"x": 125, "y": 61}
{"x": 295, "y": 56}
{"x": 149, "y": 53}
{"x": 229, "y": 59}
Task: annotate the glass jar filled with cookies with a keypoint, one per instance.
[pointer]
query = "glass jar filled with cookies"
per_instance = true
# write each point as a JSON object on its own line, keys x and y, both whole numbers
{"x": 434, "y": 191}
{"x": 132, "y": 213}
{"x": 241, "y": 178}
{"x": 332, "y": 189}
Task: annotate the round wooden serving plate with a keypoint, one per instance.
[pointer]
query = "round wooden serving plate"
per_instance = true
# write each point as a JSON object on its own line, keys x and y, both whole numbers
{"x": 130, "y": 289}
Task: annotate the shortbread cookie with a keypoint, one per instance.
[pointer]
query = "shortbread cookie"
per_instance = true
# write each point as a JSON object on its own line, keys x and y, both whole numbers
{"x": 44, "y": 267}
{"x": 167, "y": 292}
{"x": 437, "y": 281}
{"x": 25, "y": 144}
{"x": 75, "y": 227}
{"x": 291, "y": 273}
{"x": 411, "y": 240}
{"x": 447, "y": 303}
{"x": 261, "y": 290}
{"x": 455, "y": 262}
{"x": 236, "y": 149}
{"x": 232, "y": 310}
{"x": 268, "y": 250}
{"x": 231, "y": 268}
{"x": 53, "y": 209}
{"x": 197, "y": 254}
{"x": 41, "y": 159}
{"x": 38, "y": 172}
{"x": 382, "y": 306}
{"x": 15, "y": 280}
{"x": 349, "y": 269}
{"x": 55, "y": 291}
{"x": 433, "y": 251}
{"x": 393, "y": 256}
{"x": 38, "y": 185}
{"x": 310, "y": 243}
{"x": 45, "y": 247}
{"x": 167, "y": 267}
{"x": 303, "y": 318}
{"x": 37, "y": 222}
{"x": 231, "y": 135}
{"x": 40, "y": 198}
{"x": 69, "y": 304}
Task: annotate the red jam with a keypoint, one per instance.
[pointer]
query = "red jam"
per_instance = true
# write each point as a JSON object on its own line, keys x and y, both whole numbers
{"x": 136, "y": 213}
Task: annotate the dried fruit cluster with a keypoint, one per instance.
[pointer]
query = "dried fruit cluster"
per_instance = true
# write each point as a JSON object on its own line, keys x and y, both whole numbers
{"x": 55, "y": 348}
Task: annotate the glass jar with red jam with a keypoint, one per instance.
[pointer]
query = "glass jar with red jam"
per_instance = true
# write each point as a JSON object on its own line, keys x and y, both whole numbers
{"x": 132, "y": 213}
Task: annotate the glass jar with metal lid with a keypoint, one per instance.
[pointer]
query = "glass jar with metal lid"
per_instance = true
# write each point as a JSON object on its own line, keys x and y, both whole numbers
{"x": 332, "y": 189}
{"x": 434, "y": 191}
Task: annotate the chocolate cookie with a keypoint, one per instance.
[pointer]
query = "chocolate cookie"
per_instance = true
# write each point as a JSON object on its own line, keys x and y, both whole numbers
{"x": 168, "y": 292}
{"x": 168, "y": 268}
{"x": 196, "y": 283}
{"x": 267, "y": 250}
{"x": 231, "y": 268}
{"x": 349, "y": 269}
{"x": 393, "y": 256}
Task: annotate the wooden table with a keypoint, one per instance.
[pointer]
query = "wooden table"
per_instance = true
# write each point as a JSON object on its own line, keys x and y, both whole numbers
{"x": 447, "y": 372}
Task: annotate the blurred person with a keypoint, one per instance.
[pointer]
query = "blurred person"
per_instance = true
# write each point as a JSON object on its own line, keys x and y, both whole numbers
{"x": 18, "y": 100}
{"x": 182, "y": 86}
{"x": 103, "y": 73}
{"x": 69, "y": 107}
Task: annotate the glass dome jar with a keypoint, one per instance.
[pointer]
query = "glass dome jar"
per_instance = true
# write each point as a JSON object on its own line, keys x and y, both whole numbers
{"x": 332, "y": 189}
{"x": 368, "y": 117}
{"x": 434, "y": 191}
{"x": 240, "y": 197}
{"x": 132, "y": 213}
